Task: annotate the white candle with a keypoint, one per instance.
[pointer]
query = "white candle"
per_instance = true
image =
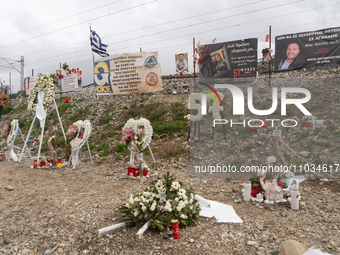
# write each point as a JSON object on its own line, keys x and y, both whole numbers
{"x": 295, "y": 199}
{"x": 247, "y": 191}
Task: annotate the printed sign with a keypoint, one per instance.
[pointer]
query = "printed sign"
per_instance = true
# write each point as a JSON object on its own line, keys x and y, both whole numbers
{"x": 277, "y": 133}
{"x": 228, "y": 62}
{"x": 128, "y": 73}
{"x": 319, "y": 123}
{"x": 181, "y": 62}
{"x": 307, "y": 49}
{"x": 71, "y": 82}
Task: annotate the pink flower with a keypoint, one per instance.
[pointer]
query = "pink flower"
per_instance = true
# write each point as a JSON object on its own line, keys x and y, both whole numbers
{"x": 6, "y": 127}
{"x": 280, "y": 184}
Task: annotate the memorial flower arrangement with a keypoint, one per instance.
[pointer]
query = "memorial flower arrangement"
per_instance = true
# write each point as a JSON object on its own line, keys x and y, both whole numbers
{"x": 13, "y": 131}
{"x": 166, "y": 199}
{"x": 51, "y": 144}
{"x": 78, "y": 133}
{"x": 43, "y": 83}
{"x": 65, "y": 67}
{"x": 137, "y": 135}
{"x": 5, "y": 130}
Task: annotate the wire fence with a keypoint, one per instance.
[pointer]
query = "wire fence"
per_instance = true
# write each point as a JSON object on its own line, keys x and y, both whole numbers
{"x": 166, "y": 47}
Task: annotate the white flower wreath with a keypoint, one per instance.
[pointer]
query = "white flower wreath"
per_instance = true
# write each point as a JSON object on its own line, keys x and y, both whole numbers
{"x": 148, "y": 131}
{"x": 13, "y": 132}
{"x": 43, "y": 83}
{"x": 77, "y": 143}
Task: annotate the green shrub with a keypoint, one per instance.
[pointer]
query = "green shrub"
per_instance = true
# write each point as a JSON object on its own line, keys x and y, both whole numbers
{"x": 62, "y": 109}
{"x": 103, "y": 147}
{"x": 7, "y": 109}
{"x": 105, "y": 119}
{"x": 168, "y": 128}
{"x": 120, "y": 147}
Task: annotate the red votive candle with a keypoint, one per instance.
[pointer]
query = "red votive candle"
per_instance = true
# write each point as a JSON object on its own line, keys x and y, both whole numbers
{"x": 175, "y": 229}
{"x": 35, "y": 163}
{"x": 59, "y": 160}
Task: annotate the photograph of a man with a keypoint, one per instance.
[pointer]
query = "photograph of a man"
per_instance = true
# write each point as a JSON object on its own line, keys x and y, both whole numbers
{"x": 293, "y": 59}
{"x": 27, "y": 85}
{"x": 181, "y": 62}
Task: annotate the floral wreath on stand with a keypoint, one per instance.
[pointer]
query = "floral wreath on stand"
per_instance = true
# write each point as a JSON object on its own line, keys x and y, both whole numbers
{"x": 137, "y": 135}
{"x": 13, "y": 132}
{"x": 43, "y": 83}
{"x": 78, "y": 133}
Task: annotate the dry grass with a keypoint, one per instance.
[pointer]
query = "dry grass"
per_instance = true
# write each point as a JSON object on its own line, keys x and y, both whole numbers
{"x": 169, "y": 149}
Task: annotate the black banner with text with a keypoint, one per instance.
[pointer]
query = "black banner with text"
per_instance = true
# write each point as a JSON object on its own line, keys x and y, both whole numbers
{"x": 307, "y": 49}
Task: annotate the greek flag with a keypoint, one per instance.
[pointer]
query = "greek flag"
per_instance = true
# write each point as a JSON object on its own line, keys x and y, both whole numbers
{"x": 97, "y": 45}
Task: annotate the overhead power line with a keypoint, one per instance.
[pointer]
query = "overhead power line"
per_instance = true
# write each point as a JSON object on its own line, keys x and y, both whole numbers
{"x": 49, "y": 23}
{"x": 200, "y": 32}
{"x": 138, "y": 29}
{"x": 60, "y": 29}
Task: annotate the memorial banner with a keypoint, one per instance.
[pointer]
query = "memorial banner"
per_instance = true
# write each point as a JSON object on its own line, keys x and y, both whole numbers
{"x": 29, "y": 84}
{"x": 228, "y": 62}
{"x": 72, "y": 82}
{"x": 307, "y": 49}
{"x": 128, "y": 73}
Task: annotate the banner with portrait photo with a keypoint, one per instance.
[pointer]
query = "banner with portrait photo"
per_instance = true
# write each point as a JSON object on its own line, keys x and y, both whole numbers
{"x": 228, "y": 62}
{"x": 307, "y": 49}
{"x": 181, "y": 62}
{"x": 29, "y": 84}
{"x": 128, "y": 73}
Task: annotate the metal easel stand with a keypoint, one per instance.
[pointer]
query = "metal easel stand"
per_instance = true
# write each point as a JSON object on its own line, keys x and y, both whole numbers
{"x": 198, "y": 127}
{"x": 42, "y": 131}
{"x": 75, "y": 154}
{"x": 132, "y": 157}
{"x": 11, "y": 152}
{"x": 223, "y": 126}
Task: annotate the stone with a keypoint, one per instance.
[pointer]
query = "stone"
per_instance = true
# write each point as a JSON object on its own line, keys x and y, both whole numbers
{"x": 25, "y": 252}
{"x": 60, "y": 250}
{"x": 252, "y": 243}
{"x": 269, "y": 207}
{"x": 304, "y": 154}
{"x": 9, "y": 188}
{"x": 74, "y": 253}
{"x": 191, "y": 240}
{"x": 291, "y": 247}
{"x": 6, "y": 240}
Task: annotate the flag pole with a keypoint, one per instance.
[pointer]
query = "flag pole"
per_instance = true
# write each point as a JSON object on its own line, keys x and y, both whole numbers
{"x": 91, "y": 46}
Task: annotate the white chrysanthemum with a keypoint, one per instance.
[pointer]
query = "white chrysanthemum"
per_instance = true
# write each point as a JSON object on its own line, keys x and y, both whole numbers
{"x": 159, "y": 185}
{"x": 175, "y": 185}
{"x": 153, "y": 207}
{"x": 135, "y": 213}
{"x": 143, "y": 208}
{"x": 181, "y": 192}
{"x": 183, "y": 216}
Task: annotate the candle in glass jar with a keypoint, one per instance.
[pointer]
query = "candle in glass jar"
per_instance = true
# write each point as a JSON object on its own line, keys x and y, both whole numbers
{"x": 295, "y": 199}
{"x": 175, "y": 229}
{"x": 35, "y": 163}
{"x": 247, "y": 191}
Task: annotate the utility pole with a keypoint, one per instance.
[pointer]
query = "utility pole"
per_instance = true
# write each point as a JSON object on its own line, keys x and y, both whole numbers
{"x": 10, "y": 90}
{"x": 270, "y": 57}
{"x": 22, "y": 76}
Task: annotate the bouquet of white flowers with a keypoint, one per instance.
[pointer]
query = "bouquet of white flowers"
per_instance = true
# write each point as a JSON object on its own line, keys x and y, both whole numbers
{"x": 43, "y": 83}
{"x": 165, "y": 200}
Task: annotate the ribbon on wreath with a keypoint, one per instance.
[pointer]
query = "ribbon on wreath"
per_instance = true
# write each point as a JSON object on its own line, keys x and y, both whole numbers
{"x": 40, "y": 111}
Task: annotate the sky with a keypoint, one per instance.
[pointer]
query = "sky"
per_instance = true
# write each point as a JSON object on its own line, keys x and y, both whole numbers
{"x": 47, "y": 33}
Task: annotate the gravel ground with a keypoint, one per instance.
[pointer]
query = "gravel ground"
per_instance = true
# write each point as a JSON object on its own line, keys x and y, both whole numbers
{"x": 59, "y": 211}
